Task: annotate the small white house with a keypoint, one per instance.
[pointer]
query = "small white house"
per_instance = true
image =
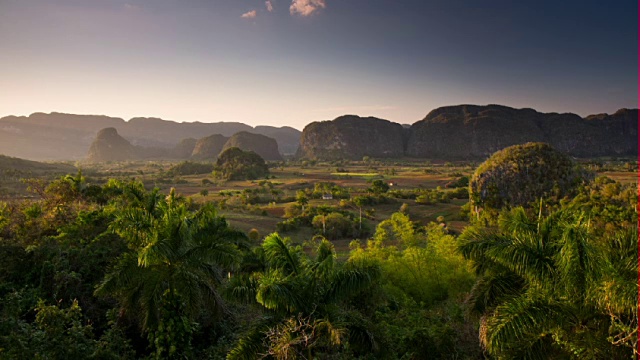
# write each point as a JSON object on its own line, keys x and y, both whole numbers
{"x": 327, "y": 196}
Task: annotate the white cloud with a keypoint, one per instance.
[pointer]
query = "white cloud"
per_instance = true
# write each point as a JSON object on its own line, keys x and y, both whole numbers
{"x": 306, "y": 7}
{"x": 249, "y": 14}
{"x": 269, "y": 5}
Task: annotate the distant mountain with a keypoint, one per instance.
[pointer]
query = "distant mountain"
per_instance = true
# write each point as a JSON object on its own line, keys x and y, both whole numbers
{"x": 352, "y": 137}
{"x": 34, "y": 167}
{"x": 110, "y": 146}
{"x": 51, "y": 136}
{"x": 287, "y": 137}
{"x": 184, "y": 149}
{"x": 451, "y": 132}
{"x": 164, "y": 133}
{"x": 471, "y": 131}
{"x": 209, "y": 147}
{"x": 58, "y": 136}
{"x": 262, "y": 145}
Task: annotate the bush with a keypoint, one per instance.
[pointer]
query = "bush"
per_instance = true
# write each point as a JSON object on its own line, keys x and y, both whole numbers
{"x": 288, "y": 225}
{"x": 237, "y": 164}
{"x": 461, "y": 182}
{"x": 378, "y": 187}
{"x": 335, "y": 225}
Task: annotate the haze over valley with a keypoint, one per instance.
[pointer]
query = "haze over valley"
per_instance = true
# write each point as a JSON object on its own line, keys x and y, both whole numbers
{"x": 453, "y": 132}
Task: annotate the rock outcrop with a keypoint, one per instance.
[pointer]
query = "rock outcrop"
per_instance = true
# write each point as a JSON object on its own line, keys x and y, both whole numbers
{"x": 351, "y": 137}
{"x": 110, "y": 146}
{"x": 617, "y": 133}
{"x": 208, "y": 148}
{"x": 459, "y": 132}
{"x": 469, "y": 131}
{"x": 262, "y": 145}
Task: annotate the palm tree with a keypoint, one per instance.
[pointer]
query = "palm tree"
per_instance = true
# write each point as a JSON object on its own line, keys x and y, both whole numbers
{"x": 538, "y": 282}
{"x": 305, "y": 300}
{"x": 176, "y": 260}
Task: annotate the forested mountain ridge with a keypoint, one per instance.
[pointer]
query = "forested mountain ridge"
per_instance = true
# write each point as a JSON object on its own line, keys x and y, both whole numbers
{"x": 472, "y": 131}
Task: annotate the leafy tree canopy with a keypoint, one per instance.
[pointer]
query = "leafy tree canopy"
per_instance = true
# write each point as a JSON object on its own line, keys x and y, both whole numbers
{"x": 237, "y": 164}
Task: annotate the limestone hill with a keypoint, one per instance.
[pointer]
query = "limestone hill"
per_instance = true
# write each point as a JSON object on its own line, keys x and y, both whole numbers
{"x": 471, "y": 132}
{"x": 352, "y": 137}
{"x": 262, "y": 145}
{"x": 209, "y": 147}
{"x": 110, "y": 146}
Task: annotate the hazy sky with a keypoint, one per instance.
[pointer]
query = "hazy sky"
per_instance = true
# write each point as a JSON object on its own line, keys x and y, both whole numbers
{"x": 290, "y": 62}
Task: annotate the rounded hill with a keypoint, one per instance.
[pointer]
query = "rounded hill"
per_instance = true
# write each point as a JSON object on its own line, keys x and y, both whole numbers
{"x": 352, "y": 137}
{"x": 262, "y": 145}
{"x": 110, "y": 146}
{"x": 208, "y": 148}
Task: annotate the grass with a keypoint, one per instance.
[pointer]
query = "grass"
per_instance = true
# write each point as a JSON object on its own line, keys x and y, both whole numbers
{"x": 355, "y": 174}
{"x": 406, "y": 174}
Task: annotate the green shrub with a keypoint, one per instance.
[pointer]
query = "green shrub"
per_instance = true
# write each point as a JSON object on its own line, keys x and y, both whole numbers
{"x": 237, "y": 164}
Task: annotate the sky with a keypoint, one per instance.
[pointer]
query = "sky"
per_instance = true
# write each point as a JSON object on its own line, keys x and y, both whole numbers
{"x": 291, "y": 62}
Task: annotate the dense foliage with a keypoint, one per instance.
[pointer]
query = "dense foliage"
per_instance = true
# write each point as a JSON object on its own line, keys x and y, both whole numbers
{"x": 548, "y": 287}
{"x": 522, "y": 174}
{"x": 118, "y": 271}
{"x": 236, "y": 164}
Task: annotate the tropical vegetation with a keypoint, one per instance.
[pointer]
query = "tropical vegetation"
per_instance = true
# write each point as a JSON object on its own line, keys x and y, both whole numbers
{"x": 120, "y": 270}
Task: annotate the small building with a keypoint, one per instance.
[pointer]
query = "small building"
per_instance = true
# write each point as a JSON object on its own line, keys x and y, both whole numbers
{"x": 391, "y": 183}
{"x": 327, "y": 196}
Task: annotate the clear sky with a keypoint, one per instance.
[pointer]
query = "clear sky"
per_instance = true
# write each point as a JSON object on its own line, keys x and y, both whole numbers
{"x": 290, "y": 62}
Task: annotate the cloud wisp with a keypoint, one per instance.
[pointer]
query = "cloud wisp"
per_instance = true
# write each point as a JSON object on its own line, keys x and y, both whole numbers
{"x": 249, "y": 14}
{"x": 269, "y": 5}
{"x": 306, "y": 7}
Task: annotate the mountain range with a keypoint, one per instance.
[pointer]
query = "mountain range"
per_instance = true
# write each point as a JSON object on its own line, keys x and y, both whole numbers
{"x": 58, "y": 136}
{"x": 449, "y": 133}
{"x": 471, "y": 132}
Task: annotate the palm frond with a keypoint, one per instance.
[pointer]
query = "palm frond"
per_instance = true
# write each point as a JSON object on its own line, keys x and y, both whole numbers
{"x": 252, "y": 345}
{"x": 516, "y": 221}
{"x": 491, "y": 289}
{"x": 520, "y": 322}
{"x": 280, "y": 255}
{"x": 278, "y": 292}
{"x": 348, "y": 282}
{"x": 523, "y": 256}
{"x": 243, "y": 288}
